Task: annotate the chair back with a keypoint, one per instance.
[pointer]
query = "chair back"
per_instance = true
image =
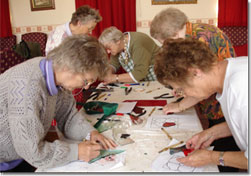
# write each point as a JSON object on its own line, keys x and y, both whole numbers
{"x": 38, "y": 37}
{"x": 7, "y": 42}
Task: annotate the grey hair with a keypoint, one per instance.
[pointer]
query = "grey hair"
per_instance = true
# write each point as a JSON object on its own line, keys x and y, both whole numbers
{"x": 167, "y": 23}
{"x": 84, "y": 14}
{"x": 80, "y": 54}
{"x": 111, "y": 34}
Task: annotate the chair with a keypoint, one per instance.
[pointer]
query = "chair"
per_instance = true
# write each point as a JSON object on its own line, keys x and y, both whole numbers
{"x": 38, "y": 37}
{"x": 9, "y": 58}
{"x": 238, "y": 35}
{"x": 7, "y": 42}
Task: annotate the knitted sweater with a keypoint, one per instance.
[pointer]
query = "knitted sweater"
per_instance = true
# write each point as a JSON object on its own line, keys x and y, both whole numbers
{"x": 26, "y": 112}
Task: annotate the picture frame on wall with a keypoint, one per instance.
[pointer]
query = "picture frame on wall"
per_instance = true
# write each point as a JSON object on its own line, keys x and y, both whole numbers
{"x": 162, "y": 2}
{"x": 37, "y": 5}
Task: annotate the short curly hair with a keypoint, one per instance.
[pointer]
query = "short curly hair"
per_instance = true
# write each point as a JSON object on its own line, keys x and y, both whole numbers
{"x": 84, "y": 14}
{"x": 177, "y": 56}
{"x": 81, "y": 54}
{"x": 167, "y": 23}
{"x": 111, "y": 34}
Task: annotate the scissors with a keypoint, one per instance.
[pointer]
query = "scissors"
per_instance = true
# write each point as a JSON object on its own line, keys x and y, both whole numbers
{"x": 95, "y": 95}
{"x": 181, "y": 149}
{"x": 128, "y": 90}
{"x": 163, "y": 96}
{"x": 135, "y": 118}
{"x": 179, "y": 99}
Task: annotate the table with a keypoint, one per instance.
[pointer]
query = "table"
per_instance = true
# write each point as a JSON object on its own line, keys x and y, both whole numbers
{"x": 147, "y": 142}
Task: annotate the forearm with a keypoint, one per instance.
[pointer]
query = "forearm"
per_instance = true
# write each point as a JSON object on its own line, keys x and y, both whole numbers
{"x": 78, "y": 128}
{"x": 125, "y": 77}
{"x": 232, "y": 159}
{"x": 188, "y": 102}
{"x": 219, "y": 131}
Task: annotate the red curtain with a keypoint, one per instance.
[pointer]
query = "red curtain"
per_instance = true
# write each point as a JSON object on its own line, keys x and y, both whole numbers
{"x": 232, "y": 13}
{"x": 5, "y": 19}
{"x": 119, "y": 13}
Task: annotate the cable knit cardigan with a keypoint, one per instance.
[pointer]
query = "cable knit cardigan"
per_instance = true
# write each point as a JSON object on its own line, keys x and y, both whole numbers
{"x": 26, "y": 112}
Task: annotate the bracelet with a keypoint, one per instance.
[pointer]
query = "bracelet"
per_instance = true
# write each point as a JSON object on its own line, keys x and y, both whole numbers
{"x": 221, "y": 159}
{"x": 117, "y": 78}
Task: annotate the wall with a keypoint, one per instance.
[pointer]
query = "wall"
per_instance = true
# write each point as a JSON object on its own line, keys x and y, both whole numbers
{"x": 204, "y": 11}
{"x": 24, "y": 20}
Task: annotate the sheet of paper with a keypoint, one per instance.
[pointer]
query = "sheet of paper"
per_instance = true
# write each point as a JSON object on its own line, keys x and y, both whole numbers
{"x": 126, "y": 107}
{"x": 168, "y": 163}
{"x": 182, "y": 121}
{"x": 98, "y": 166}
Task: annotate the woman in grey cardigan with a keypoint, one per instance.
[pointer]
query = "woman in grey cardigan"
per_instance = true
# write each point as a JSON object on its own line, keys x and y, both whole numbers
{"x": 38, "y": 90}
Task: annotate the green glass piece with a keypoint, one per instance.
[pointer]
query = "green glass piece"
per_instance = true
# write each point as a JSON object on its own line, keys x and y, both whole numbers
{"x": 104, "y": 153}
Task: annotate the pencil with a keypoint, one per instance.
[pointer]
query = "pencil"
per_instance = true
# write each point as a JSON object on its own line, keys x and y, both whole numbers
{"x": 151, "y": 111}
{"x": 101, "y": 96}
{"x": 172, "y": 146}
{"x": 153, "y": 90}
{"x": 168, "y": 135}
{"x": 148, "y": 83}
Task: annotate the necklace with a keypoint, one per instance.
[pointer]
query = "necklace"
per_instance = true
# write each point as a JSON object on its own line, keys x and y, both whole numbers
{"x": 125, "y": 51}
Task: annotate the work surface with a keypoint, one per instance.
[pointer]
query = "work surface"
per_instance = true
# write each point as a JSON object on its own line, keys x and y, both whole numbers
{"x": 147, "y": 136}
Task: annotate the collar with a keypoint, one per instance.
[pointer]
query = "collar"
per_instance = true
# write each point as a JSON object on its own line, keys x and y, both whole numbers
{"x": 47, "y": 70}
{"x": 68, "y": 30}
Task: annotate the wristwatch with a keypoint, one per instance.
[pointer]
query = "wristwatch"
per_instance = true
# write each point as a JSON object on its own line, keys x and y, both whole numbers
{"x": 221, "y": 159}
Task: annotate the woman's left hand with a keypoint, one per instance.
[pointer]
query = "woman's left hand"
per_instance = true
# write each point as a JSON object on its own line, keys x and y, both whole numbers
{"x": 106, "y": 142}
{"x": 197, "y": 158}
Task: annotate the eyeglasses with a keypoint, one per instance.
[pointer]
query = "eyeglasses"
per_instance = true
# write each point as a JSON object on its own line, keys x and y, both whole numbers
{"x": 86, "y": 83}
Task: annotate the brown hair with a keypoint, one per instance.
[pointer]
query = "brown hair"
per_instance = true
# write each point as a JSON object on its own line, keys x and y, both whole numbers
{"x": 85, "y": 14}
{"x": 167, "y": 23}
{"x": 80, "y": 54}
{"x": 177, "y": 56}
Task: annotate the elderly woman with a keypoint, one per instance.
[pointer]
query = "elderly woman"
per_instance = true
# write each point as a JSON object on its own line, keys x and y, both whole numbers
{"x": 38, "y": 90}
{"x": 173, "y": 23}
{"x": 134, "y": 51}
{"x": 192, "y": 69}
{"x": 83, "y": 21}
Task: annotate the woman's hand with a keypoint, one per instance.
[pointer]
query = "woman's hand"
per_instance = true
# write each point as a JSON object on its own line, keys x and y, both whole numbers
{"x": 106, "y": 142}
{"x": 201, "y": 140}
{"x": 110, "y": 77}
{"x": 88, "y": 150}
{"x": 197, "y": 158}
{"x": 171, "y": 108}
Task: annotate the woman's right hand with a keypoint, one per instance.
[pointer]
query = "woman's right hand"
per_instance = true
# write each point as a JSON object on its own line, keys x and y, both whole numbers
{"x": 201, "y": 140}
{"x": 88, "y": 150}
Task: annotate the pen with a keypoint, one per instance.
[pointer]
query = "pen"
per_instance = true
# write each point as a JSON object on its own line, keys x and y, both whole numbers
{"x": 168, "y": 135}
{"x": 153, "y": 90}
{"x": 151, "y": 111}
{"x": 172, "y": 146}
{"x": 115, "y": 120}
{"x": 101, "y": 96}
{"x": 132, "y": 84}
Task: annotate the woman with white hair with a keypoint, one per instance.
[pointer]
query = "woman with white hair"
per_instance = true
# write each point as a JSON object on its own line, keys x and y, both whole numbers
{"x": 37, "y": 91}
{"x": 134, "y": 51}
{"x": 83, "y": 21}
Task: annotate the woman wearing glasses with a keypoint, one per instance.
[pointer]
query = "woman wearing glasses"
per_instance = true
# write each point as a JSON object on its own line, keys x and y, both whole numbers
{"x": 38, "y": 90}
{"x": 189, "y": 66}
